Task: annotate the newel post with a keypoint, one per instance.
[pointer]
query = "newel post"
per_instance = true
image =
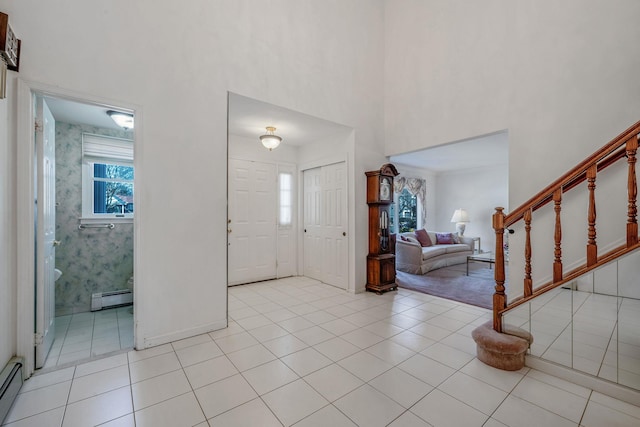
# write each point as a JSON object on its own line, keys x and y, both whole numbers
{"x": 499, "y": 297}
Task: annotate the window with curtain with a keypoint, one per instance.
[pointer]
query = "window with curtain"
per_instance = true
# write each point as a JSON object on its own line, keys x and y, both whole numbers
{"x": 408, "y": 213}
{"x": 107, "y": 177}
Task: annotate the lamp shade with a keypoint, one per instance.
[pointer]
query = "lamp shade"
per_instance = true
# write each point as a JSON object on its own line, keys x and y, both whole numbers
{"x": 460, "y": 215}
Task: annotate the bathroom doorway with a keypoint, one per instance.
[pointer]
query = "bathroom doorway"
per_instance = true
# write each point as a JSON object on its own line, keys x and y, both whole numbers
{"x": 92, "y": 185}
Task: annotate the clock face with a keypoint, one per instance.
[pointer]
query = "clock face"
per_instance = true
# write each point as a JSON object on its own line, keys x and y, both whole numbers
{"x": 385, "y": 189}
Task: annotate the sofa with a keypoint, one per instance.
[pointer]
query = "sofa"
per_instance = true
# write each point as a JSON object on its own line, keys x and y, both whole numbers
{"x": 417, "y": 254}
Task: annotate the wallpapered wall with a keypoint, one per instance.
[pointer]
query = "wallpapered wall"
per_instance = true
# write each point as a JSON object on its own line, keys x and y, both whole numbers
{"x": 91, "y": 260}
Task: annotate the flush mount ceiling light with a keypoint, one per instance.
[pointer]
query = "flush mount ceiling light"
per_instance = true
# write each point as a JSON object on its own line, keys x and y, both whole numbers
{"x": 270, "y": 140}
{"x": 124, "y": 120}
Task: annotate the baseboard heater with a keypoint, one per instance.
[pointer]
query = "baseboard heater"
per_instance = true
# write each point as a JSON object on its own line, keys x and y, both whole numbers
{"x": 102, "y": 300}
{"x": 10, "y": 383}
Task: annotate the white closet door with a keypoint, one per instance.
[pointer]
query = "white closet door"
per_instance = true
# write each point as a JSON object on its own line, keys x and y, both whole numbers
{"x": 335, "y": 257}
{"x": 325, "y": 224}
{"x": 252, "y": 221}
{"x": 313, "y": 231}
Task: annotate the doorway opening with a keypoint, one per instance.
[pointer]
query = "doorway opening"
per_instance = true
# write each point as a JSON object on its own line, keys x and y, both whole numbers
{"x": 81, "y": 233}
{"x": 470, "y": 175}
{"x": 270, "y": 202}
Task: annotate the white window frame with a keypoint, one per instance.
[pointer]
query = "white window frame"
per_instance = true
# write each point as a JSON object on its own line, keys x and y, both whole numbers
{"x": 105, "y": 150}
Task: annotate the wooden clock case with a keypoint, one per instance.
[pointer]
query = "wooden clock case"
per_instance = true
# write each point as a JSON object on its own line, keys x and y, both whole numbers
{"x": 381, "y": 261}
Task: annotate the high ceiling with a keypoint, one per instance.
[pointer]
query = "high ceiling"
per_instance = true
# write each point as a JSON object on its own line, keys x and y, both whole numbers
{"x": 249, "y": 117}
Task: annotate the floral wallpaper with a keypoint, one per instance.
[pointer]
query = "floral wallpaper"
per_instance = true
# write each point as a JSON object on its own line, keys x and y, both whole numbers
{"x": 91, "y": 260}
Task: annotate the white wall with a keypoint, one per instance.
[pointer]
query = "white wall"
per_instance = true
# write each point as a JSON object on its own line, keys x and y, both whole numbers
{"x": 177, "y": 61}
{"x": 478, "y": 191}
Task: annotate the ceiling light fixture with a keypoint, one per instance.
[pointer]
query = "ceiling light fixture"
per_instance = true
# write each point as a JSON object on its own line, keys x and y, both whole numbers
{"x": 124, "y": 120}
{"x": 270, "y": 140}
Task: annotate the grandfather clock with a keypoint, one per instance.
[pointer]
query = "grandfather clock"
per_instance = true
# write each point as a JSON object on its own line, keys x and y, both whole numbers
{"x": 381, "y": 261}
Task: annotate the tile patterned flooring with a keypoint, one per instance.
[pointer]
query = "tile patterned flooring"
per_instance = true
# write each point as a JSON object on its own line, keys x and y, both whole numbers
{"x": 86, "y": 335}
{"x": 298, "y": 352}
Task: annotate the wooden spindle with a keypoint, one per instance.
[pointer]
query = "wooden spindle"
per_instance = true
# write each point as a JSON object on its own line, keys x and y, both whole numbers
{"x": 528, "y": 283}
{"x": 632, "y": 187}
{"x": 557, "y": 236}
{"x": 592, "y": 247}
{"x": 499, "y": 297}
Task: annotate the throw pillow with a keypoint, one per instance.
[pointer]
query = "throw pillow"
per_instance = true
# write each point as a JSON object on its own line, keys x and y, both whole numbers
{"x": 444, "y": 239}
{"x": 423, "y": 238}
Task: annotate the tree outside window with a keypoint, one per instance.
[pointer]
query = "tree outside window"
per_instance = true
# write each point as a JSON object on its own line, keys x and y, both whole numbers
{"x": 407, "y": 211}
{"x": 112, "y": 188}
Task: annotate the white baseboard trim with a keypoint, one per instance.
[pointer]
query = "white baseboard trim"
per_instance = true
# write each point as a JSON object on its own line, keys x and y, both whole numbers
{"x": 600, "y": 385}
{"x": 185, "y": 333}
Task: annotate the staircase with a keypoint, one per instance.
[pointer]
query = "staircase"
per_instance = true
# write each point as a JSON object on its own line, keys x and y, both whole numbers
{"x": 549, "y": 295}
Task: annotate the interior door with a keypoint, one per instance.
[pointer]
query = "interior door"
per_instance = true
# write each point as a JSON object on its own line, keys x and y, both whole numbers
{"x": 325, "y": 224}
{"x": 335, "y": 248}
{"x": 45, "y": 231}
{"x": 251, "y": 225}
{"x": 313, "y": 223}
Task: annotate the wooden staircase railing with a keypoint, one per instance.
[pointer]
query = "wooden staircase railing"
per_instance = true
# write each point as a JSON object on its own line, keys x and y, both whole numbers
{"x": 623, "y": 146}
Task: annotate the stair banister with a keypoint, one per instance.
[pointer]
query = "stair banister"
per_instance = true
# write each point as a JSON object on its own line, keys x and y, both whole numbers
{"x": 624, "y": 145}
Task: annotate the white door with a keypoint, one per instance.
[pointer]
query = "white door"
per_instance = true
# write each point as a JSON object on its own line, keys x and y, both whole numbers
{"x": 45, "y": 232}
{"x": 325, "y": 224}
{"x": 335, "y": 257}
{"x": 251, "y": 221}
{"x": 313, "y": 223}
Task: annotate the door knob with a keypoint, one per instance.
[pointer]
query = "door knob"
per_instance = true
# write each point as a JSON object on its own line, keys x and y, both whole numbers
{"x": 229, "y": 230}
{"x": 344, "y": 233}
{"x": 56, "y": 242}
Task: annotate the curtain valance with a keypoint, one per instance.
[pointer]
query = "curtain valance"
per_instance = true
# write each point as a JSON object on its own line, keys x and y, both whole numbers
{"x": 416, "y": 187}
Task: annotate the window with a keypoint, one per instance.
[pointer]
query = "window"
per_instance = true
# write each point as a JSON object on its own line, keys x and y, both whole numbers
{"x": 112, "y": 188}
{"x": 407, "y": 205}
{"x": 107, "y": 177}
{"x": 285, "y": 180}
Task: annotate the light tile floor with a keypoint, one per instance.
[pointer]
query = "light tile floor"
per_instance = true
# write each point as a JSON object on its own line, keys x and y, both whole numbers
{"x": 83, "y": 336}
{"x": 298, "y": 352}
